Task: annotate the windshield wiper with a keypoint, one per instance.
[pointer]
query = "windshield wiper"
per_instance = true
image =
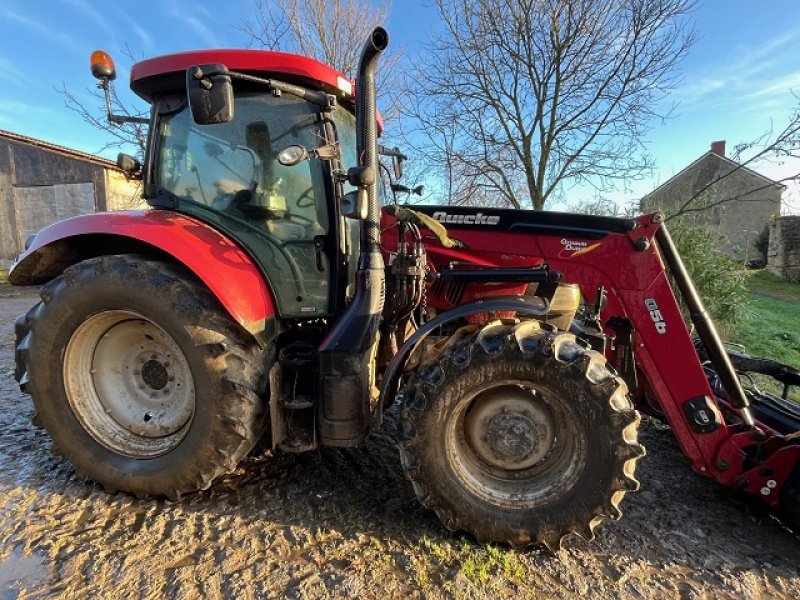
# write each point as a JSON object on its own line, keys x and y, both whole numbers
{"x": 321, "y": 99}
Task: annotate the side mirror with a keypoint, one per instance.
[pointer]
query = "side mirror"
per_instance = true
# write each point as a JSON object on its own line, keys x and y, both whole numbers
{"x": 129, "y": 165}
{"x": 398, "y": 166}
{"x": 354, "y": 205}
{"x": 210, "y": 94}
{"x": 360, "y": 176}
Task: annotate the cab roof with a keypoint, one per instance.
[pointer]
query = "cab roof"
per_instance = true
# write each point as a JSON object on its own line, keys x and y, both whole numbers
{"x": 157, "y": 75}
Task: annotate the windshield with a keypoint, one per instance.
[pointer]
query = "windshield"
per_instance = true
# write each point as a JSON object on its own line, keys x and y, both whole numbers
{"x": 228, "y": 174}
{"x": 232, "y": 166}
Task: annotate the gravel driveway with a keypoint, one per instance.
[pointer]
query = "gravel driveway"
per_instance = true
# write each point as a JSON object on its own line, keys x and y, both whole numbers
{"x": 344, "y": 523}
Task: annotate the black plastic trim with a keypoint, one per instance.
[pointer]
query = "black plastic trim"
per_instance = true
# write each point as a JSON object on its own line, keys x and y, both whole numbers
{"x": 492, "y": 275}
{"x": 528, "y": 221}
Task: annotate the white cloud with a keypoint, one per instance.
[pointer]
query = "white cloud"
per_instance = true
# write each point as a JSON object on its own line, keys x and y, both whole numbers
{"x": 698, "y": 89}
{"x": 11, "y": 73}
{"x": 145, "y": 39}
{"x": 42, "y": 30}
{"x": 744, "y": 74}
{"x": 93, "y": 13}
{"x": 201, "y": 26}
{"x": 16, "y": 110}
{"x": 781, "y": 85}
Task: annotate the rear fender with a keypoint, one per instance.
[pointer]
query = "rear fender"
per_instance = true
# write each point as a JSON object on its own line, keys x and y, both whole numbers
{"x": 219, "y": 263}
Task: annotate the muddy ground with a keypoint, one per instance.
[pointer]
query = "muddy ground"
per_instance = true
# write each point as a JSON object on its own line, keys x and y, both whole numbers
{"x": 346, "y": 524}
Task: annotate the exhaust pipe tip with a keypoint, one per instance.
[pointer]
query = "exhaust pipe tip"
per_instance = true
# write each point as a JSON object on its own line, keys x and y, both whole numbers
{"x": 379, "y": 39}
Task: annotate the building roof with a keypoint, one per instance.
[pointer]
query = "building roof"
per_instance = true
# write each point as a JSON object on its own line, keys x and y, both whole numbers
{"x": 727, "y": 160}
{"x": 62, "y": 150}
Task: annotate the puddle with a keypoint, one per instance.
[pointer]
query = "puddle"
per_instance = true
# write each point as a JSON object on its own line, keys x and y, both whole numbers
{"x": 19, "y": 572}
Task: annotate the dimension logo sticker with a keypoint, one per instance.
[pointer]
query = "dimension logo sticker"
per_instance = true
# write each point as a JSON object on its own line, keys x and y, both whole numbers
{"x": 575, "y": 248}
{"x": 476, "y": 219}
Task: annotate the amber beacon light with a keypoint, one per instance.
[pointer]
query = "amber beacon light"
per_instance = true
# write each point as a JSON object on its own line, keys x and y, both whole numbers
{"x": 102, "y": 65}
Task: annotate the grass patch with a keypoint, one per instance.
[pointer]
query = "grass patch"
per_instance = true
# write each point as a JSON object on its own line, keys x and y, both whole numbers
{"x": 771, "y": 325}
{"x": 764, "y": 283}
{"x": 480, "y": 565}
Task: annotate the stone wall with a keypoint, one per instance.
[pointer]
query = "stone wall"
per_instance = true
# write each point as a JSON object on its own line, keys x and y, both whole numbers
{"x": 121, "y": 193}
{"x": 783, "y": 256}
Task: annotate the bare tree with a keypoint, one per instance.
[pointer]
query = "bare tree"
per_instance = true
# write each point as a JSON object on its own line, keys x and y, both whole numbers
{"x": 332, "y": 31}
{"x": 546, "y": 91}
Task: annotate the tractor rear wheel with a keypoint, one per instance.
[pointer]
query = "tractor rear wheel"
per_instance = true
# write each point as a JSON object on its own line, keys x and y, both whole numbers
{"x": 518, "y": 433}
{"x": 141, "y": 379}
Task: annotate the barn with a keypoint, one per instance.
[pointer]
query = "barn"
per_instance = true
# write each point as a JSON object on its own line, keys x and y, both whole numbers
{"x": 41, "y": 183}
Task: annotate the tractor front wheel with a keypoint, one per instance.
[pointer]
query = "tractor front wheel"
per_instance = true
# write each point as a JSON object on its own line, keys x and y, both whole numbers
{"x": 140, "y": 378}
{"x": 517, "y": 433}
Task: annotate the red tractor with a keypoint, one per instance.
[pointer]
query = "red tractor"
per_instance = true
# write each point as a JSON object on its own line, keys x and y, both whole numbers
{"x": 268, "y": 293}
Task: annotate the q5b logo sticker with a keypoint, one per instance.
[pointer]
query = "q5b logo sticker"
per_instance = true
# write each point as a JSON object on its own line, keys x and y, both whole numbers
{"x": 655, "y": 314}
{"x": 572, "y": 248}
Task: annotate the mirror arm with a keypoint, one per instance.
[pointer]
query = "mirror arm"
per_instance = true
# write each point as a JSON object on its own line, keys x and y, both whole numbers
{"x": 393, "y": 152}
{"x": 326, "y": 101}
{"x": 117, "y": 119}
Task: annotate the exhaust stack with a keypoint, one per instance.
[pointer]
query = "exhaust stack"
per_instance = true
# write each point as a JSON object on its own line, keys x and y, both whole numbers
{"x": 345, "y": 356}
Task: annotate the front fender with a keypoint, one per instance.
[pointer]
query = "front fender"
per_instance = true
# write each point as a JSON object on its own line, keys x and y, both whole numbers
{"x": 497, "y": 304}
{"x": 218, "y": 262}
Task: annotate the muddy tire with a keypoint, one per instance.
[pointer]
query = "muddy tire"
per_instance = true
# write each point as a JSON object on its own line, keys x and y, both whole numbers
{"x": 519, "y": 434}
{"x": 141, "y": 379}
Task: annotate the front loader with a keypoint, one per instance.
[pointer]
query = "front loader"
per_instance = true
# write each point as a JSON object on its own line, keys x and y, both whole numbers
{"x": 267, "y": 294}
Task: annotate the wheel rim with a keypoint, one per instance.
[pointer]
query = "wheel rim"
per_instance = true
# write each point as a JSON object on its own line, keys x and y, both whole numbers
{"x": 515, "y": 445}
{"x": 129, "y": 384}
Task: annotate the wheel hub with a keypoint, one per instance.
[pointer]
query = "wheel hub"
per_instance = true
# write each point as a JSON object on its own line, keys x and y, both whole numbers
{"x": 510, "y": 428}
{"x": 511, "y": 437}
{"x": 155, "y": 374}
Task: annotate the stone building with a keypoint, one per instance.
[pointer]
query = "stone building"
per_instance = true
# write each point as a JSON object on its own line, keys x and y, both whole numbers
{"x": 783, "y": 256}
{"x": 741, "y": 200}
{"x": 41, "y": 183}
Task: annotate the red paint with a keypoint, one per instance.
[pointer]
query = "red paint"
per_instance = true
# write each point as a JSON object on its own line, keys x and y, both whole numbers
{"x": 239, "y": 60}
{"x": 224, "y": 267}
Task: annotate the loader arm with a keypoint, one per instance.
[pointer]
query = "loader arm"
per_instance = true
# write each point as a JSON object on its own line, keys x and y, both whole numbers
{"x": 629, "y": 259}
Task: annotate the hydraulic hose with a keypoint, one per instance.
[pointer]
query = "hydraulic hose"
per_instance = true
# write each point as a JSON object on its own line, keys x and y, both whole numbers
{"x": 705, "y": 326}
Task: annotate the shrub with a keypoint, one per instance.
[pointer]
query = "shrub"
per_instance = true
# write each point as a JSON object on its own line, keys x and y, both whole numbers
{"x": 719, "y": 280}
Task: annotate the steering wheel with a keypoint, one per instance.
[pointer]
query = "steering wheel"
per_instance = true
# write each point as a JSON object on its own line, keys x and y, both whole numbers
{"x": 306, "y": 200}
{"x": 302, "y": 219}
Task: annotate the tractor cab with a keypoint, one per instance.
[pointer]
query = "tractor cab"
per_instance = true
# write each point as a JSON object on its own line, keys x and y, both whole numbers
{"x": 265, "y": 174}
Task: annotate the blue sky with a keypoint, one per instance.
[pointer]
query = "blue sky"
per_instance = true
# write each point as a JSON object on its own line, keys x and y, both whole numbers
{"x": 737, "y": 80}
